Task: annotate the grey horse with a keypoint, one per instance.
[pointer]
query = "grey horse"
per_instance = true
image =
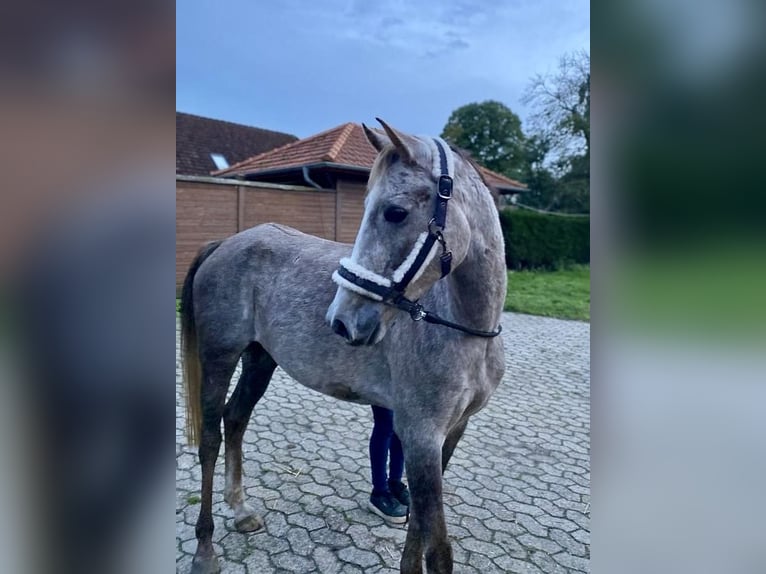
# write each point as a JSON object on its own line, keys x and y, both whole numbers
{"x": 267, "y": 296}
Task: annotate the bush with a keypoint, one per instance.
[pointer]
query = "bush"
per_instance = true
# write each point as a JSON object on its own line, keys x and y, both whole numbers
{"x": 535, "y": 240}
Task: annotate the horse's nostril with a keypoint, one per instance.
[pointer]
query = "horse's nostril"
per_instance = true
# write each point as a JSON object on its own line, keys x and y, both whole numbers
{"x": 340, "y": 328}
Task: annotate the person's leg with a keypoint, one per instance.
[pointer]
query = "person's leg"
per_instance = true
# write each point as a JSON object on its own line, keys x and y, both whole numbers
{"x": 396, "y": 469}
{"x": 396, "y": 462}
{"x": 382, "y": 501}
{"x": 380, "y": 441}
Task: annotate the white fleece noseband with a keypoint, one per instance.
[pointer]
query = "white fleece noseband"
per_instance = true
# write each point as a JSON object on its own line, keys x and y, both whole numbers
{"x": 439, "y": 167}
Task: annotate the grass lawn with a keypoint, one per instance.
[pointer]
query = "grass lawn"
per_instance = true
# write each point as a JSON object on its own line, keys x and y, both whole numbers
{"x": 564, "y": 294}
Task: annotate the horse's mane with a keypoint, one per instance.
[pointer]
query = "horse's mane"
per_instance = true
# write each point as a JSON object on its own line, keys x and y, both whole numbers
{"x": 463, "y": 154}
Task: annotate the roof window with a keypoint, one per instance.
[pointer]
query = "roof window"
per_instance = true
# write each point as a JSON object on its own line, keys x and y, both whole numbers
{"x": 219, "y": 160}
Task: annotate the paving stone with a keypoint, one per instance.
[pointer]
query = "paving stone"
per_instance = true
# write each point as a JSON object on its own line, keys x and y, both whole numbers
{"x": 515, "y": 566}
{"x": 363, "y": 558}
{"x": 306, "y": 521}
{"x": 545, "y": 544}
{"x": 330, "y": 539}
{"x": 325, "y": 560}
{"x": 483, "y": 564}
{"x": 474, "y": 511}
{"x": 568, "y": 543}
{"x": 335, "y": 521}
{"x": 476, "y": 528}
{"x": 363, "y": 516}
{"x": 510, "y": 545}
{"x": 582, "y": 536}
{"x": 270, "y": 544}
{"x": 459, "y": 554}
{"x": 300, "y": 542}
{"x": 318, "y": 489}
{"x": 547, "y": 564}
{"x": 236, "y": 568}
{"x": 531, "y": 525}
{"x": 338, "y": 503}
{"x": 516, "y": 492}
{"x": 235, "y": 547}
{"x": 578, "y": 517}
{"x": 293, "y": 563}
{"x": 556, "y": 522}
{"x": 276, "y": 524}
{"x": 488, "y": 549}
{"x": 361, "y": 536}
{"x": 524, "y": 508}
{"x": 572, "y": 562}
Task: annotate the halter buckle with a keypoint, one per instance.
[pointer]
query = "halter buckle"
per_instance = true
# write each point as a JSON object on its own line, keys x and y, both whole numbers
{"x": 444, "y": 189}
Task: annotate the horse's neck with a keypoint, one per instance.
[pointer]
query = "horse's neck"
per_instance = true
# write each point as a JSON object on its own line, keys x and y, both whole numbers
{"x": 479, "y": 282}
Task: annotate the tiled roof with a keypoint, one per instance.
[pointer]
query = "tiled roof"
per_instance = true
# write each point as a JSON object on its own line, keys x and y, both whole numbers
{"x": 500, "y": 181}
{"x": 345, "y": 144}
{"x": 198, "y": 137}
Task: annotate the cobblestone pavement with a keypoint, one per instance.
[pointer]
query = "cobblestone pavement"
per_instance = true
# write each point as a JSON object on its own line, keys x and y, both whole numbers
{"x": 516, "y": 491}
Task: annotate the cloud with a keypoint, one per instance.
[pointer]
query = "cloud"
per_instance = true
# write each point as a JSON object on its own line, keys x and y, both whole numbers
{"x": 458, "y": 44}
{"x": 426, "y": 30}
{"x": 411, "y": 62}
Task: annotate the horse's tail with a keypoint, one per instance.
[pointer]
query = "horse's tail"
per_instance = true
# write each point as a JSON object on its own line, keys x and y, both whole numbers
{"x": 192, "y": 368}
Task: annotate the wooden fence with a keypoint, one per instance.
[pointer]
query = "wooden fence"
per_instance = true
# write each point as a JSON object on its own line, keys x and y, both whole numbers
{"x": 210, "y": 208}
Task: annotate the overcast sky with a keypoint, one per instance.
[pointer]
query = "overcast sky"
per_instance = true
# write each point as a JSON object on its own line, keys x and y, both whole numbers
{"x": 303, "y": 66}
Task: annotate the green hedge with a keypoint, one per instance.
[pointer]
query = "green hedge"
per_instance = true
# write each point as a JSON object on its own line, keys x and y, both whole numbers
{"x": 536, "y": 240}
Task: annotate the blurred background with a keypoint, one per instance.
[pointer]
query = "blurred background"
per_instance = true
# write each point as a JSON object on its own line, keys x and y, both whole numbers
{"x": 679, "y": 321}
{"x": 86, "y": 304}
{"x": 86, "y": 299}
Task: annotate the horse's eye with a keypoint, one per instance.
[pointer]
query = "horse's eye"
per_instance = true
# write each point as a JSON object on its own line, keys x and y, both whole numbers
{"x": 395, "y": 214}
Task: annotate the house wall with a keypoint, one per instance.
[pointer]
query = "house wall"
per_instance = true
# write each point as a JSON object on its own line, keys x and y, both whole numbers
{"x": 204, "y": 212}
{"x": 311, "y": 211}
{"x": 209, "y": 208}
{"x": 350, "y": 208}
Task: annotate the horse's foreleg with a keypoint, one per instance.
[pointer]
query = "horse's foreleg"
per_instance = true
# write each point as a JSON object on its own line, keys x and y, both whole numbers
{"x": 427, "y": 530}
{"x": 215, "y": 381}
{"x": 257, "y": 368}
{"x": 453, "y": 437}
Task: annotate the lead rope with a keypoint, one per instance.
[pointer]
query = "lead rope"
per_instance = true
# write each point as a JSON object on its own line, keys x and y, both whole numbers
{"x": 418, "y": 313}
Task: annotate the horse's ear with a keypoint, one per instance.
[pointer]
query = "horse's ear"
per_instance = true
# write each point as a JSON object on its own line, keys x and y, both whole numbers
{"x": 399, "y": 141}
{"x": 377, "y": 140}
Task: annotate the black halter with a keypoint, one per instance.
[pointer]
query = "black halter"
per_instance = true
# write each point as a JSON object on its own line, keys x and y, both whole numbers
{"x": 392, "y": 292}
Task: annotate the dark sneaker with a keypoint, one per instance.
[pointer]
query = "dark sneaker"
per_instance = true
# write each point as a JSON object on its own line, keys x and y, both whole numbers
{"x": 400, "y": 492}
{"x": 388, "y": 508}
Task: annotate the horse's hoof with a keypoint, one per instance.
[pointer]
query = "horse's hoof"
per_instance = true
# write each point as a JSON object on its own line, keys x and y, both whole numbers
{"x": 248, "y": 523}
{"x": 208, "y": 565}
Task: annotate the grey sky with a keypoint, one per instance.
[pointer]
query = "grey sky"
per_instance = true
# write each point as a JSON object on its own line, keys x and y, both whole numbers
{"x": 302, "y": 67}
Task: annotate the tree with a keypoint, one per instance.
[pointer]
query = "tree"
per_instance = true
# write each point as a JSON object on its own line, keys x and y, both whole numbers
{"x": 560, "y": 122}
{"x": 544, "y": 188}
{"x": 561, "y": 106}
{"x": 491, "y": 133}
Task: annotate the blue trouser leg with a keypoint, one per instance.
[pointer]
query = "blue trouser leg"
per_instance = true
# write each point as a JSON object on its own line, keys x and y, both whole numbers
{"x": 396, "y": 464}
{"x": 380, "y": 442}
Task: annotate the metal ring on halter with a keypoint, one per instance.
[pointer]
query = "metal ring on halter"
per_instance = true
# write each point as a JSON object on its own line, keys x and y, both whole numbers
{"x": 418, "y": 313}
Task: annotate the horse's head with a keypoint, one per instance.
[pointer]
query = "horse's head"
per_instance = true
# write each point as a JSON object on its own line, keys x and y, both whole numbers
{"x": 402, "y": 202}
